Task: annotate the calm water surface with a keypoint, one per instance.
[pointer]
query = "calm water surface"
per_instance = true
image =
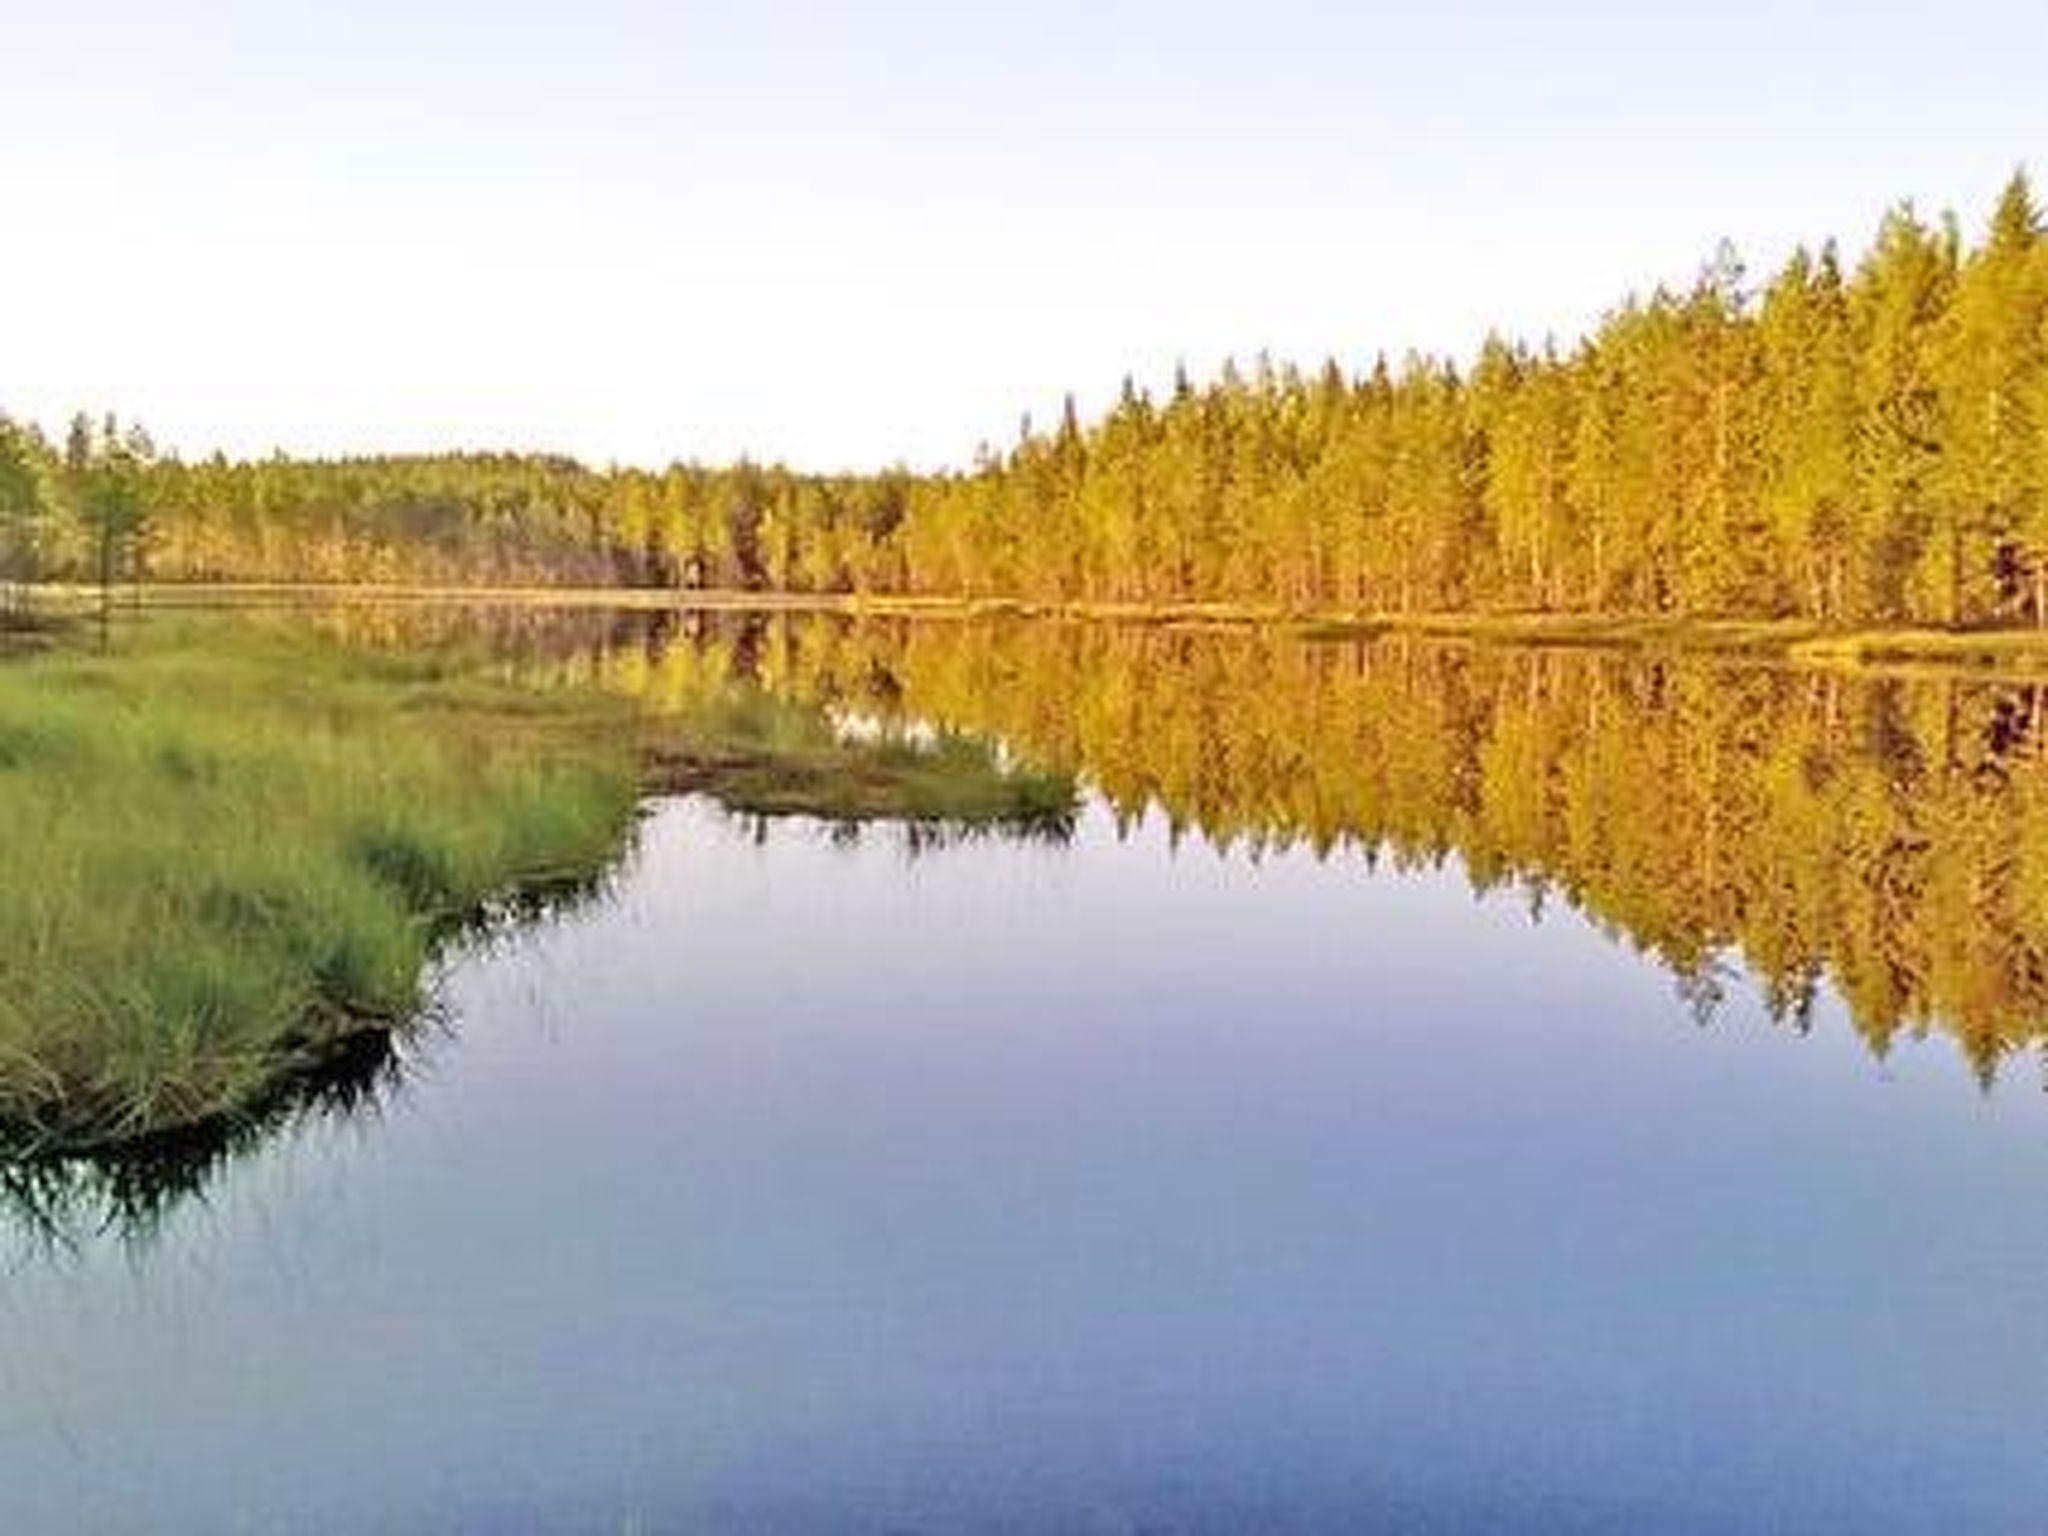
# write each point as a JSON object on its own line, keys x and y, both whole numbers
{"x": 1118, "y": 1185}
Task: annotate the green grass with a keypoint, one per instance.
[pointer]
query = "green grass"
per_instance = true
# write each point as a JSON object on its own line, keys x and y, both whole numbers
{"x": 227, "y": 848}
{"x": 761, "y": 755}
{"x": 233, "y": 846}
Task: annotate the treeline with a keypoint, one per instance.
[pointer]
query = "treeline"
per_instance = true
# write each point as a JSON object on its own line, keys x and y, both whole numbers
{"x": 1869, "y": 445}
{"x": 106, "y": 502}
{"x": 1851, "y": 443}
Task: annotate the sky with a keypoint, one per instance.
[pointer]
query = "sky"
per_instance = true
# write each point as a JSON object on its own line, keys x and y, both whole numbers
{"x": 851, "y": 235}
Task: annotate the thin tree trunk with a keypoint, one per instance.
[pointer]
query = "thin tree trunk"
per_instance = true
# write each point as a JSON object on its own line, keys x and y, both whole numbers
{"x": 1955, "y": 574}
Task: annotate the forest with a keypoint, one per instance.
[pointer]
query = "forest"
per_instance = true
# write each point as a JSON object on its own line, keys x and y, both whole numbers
{"x": 1849, "y": 442}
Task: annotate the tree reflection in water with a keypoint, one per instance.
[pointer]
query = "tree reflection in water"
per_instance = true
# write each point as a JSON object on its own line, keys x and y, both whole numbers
{"x": 1881, "y": 835}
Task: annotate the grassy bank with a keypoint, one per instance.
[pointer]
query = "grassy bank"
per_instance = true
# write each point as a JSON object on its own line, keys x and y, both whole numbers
{"x": 228, "y": 847}
{"x": 234, "y": 845}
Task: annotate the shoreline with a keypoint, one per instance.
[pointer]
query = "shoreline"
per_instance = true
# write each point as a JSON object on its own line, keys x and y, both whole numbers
{"x": 1798, "y": 642}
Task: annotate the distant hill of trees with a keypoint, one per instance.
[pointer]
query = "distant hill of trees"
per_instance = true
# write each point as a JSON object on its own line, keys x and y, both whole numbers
{"x": 1861, "y": 443}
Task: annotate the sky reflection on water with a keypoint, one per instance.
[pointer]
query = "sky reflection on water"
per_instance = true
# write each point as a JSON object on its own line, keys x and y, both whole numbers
{"x": 1106, "y": 1187}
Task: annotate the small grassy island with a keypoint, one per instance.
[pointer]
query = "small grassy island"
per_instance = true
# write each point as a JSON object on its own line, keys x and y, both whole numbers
{"x": 234, "y": 847}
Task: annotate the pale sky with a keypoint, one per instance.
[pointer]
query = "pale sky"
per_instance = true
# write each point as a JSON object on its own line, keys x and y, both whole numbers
{"x": 851, "y": 234}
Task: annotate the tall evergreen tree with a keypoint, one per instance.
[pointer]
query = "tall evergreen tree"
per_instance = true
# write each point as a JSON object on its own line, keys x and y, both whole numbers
{"x": 1994, "y": 355}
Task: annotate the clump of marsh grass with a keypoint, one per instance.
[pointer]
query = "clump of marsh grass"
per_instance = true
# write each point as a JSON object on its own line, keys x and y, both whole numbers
{"x": 761, "y": 755}
{"x": 227, "y": 848}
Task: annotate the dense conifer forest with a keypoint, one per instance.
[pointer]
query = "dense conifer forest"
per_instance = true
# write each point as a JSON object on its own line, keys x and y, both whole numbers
{"x": 1853, "y": 442}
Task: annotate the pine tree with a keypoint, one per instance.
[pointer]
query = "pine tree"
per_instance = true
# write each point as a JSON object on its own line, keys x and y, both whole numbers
{"x": 1897, "y": 301}
{"x": 1994, "y": 355}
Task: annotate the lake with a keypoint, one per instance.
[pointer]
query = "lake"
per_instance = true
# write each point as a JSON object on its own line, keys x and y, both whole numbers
{"x": 1424, "y": 1089}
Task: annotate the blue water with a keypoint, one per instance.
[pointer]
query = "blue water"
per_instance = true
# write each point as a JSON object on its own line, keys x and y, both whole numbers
{"x": 1101, "y": 1187}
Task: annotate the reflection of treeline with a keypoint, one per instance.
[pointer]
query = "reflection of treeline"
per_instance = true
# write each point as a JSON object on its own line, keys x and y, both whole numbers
{"x": 1890, "y": 837}
{"x": 1860, "y": 445}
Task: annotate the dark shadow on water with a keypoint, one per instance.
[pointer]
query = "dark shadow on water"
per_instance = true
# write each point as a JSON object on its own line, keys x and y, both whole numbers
{"x": 56, "y": 1200}
{"x": 129, "y": 1190}
{"x": 916, "y": 837}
